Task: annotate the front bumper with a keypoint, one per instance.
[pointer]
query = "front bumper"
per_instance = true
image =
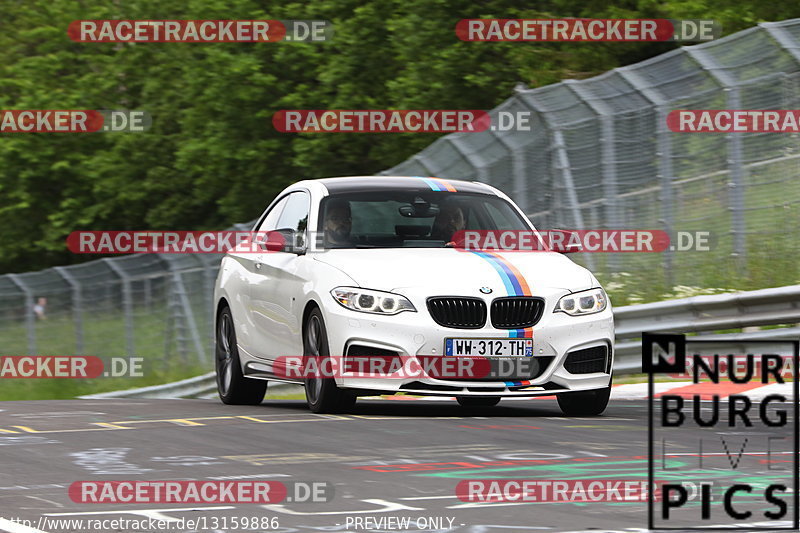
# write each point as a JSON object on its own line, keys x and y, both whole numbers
{"x": 412, "y": 334}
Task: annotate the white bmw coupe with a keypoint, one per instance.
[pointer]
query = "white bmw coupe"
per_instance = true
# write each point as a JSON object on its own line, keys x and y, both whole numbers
{"x": 369, "y": 268}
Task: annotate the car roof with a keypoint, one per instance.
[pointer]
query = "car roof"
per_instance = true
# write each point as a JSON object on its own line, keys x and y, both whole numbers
{"x": 411, "y": 183}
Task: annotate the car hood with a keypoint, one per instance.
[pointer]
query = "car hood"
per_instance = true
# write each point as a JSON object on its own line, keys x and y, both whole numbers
{"x": 450, "y": 271}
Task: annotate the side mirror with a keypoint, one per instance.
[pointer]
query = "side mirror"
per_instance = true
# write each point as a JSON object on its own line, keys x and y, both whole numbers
{"x": 565, "y": 241}
{"x": 294, "y": 242}
{"x": 282, "y": 240}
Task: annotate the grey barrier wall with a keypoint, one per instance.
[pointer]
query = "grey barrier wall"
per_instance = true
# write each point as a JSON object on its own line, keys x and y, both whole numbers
{"x": 598, "y": 155}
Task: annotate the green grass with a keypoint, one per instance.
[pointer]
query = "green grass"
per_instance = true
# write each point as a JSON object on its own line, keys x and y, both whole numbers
{"x": 296, "y": 392}
{"x": 104, "y": 336}
{"x": 630, "y": 378}
{"x": 772, "y": 222}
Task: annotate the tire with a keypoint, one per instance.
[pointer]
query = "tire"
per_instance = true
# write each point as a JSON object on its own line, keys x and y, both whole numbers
{"x": 322, "y": 394}
{"x": 584, "y": 403}
{"x": 232, "y": 386}
{"x": 478, "y": 401}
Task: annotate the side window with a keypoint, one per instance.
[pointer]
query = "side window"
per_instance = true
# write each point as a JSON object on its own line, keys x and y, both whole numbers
{"x": 270, "y": 222}
{"x": 502, "y": 219}
{"x": 295, "y": 214}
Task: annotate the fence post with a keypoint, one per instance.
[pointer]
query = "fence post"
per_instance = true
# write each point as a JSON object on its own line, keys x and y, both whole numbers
{"x": 664, "y": 155}
{"x": 731, "y": 86}
{"x": 420, "y": 160}
{"x": 527, "y": 98}
{"x": 77, "y": 306}
{"x": 563, "y": 164}
{"x": 522, "y": 196}
{"x": 560, "y": 162}
{"x": 518, "y": 177}
{"x": 30, "y": 319}
{"x": 472, "y": 158}
{"x": 782, "y": 37}
{"x": 182, "y": 303}
{"x": 171, "y": 325}
{"x": 148, "y": 294}
{"x": 209, "y": 277}
{"x": 608, "y": 162}
{"x": 738, "y": 185}
{"x": 127, "y": 304}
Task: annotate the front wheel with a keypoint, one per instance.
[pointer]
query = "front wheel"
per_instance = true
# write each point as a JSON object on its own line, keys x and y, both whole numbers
{"x": 322, "y": 394}
{"x": 233, "y": 388}
{"x": 584, "y": 403}
{"x": 477, "y": 401}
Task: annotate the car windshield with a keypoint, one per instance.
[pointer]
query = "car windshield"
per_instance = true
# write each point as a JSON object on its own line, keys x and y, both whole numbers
{"x": 410, "y": 219}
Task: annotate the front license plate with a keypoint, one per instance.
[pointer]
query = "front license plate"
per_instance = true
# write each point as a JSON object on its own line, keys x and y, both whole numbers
{"x": 489, "y": 347}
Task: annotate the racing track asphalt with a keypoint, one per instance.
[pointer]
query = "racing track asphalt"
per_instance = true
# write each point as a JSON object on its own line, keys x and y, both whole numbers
{"x": 386, "y": 458}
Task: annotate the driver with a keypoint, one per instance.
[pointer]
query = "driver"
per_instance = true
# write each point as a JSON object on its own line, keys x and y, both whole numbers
{"x": 449, "y": 220}
{"x": 337, "y": 224}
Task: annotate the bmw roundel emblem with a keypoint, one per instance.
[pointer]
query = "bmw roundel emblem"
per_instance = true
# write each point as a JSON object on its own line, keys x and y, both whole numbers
{"x": 486, "y": 290}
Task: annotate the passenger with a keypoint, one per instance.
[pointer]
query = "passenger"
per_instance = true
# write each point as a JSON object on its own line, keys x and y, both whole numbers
{"x": 449, "y": 220}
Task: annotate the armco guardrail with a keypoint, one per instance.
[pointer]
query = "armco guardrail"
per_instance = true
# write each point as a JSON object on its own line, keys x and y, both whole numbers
{"x": 699, "y": 314}
{"x": 706, "y": 314}
{"x": 186, "y": 388}
{"x": 204, "y": 386}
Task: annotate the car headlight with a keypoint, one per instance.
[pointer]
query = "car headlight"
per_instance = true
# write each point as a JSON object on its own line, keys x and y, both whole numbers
{"x": 369, "y": 301}
{"x": 583, "y": 303}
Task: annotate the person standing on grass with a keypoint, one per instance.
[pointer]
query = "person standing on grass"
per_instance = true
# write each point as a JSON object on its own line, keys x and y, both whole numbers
{"x": 39, "y": 308}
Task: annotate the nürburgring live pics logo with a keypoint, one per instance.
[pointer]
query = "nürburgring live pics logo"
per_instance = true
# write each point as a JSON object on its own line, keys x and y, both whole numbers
{"x": 754, "y": 383}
